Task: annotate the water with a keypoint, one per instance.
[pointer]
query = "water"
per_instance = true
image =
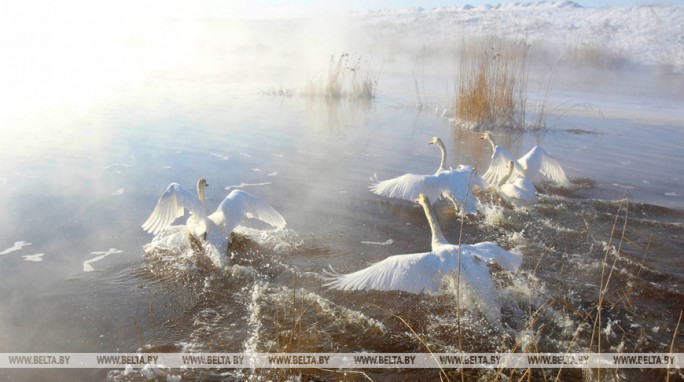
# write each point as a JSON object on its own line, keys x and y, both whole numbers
{"x": 80, "y": 175}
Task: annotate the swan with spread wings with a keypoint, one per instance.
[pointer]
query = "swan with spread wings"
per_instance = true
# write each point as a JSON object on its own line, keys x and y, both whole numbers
{"x": 423, "y": 272}
{"x": 531, "y": 165}
{"x": 456, "y": 185}
{"x": 216, "y": 227}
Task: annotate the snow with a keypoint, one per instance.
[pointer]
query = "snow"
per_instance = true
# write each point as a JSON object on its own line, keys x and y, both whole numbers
{"x": 647, "y": 35}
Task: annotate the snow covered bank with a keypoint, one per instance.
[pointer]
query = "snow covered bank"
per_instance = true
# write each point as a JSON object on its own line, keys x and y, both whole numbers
{"x": 648, "y": 35}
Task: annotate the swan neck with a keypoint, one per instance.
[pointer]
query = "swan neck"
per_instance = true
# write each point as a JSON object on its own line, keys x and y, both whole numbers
{"x": 200, "y": 193}
{"x": 437, "y": 235}
{"x": 491, "y": 142}
{"x": 442, "y": 164}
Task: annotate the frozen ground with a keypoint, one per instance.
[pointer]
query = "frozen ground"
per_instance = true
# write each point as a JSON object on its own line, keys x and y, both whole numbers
{"x": 648, "y": 35}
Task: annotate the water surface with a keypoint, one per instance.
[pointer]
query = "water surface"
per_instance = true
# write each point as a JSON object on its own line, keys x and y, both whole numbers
{"x": 79, "y": 176}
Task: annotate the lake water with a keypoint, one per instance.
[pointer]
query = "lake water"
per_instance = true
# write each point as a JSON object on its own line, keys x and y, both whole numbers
{"x": 80, "y": 174}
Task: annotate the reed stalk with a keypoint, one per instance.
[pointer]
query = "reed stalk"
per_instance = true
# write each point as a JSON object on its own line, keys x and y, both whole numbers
{"x": 492, "y": 84}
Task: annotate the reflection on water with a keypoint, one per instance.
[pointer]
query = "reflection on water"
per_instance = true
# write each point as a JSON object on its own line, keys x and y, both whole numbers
{"x": 79, "y": 182}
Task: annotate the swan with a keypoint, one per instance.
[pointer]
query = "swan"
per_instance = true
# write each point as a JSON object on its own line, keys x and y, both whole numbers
{"x": 516, "y": 188}
{"x": 455, "y": 185}
{"x": 422, "y": 272}
{"x": 537, "y": 161}
{"x": 172, "y": 204}
{"x": 215, "y": 228}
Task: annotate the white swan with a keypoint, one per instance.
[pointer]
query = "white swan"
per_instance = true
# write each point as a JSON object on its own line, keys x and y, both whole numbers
{"x": 422, "y": 272}
{"x": 216, "y": 228}
{"x": 537, "y": 161}
{"x": 454, "y": 185}
{"x": 516, "y": 189}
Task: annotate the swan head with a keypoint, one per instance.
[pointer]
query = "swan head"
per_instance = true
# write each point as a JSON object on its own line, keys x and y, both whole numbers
{"x": 487, "y": 136}
{"x": 435, "y": 141}
{"x": 201, "y": 185}
{"x": 423, "y": 199}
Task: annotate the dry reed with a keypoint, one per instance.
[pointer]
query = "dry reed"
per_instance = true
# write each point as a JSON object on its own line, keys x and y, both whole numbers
{"x": 343, "y": 80}
{"x": 492, "y": 84}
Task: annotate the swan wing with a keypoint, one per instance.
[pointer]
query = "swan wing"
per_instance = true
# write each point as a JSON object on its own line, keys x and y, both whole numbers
{"x": 497, "y": 167}
{"x": 170, "y": 206}
{"x": 476, "y": 180}
{"x": 240, "y": 205}
{"x": 457, "y": 186}
{"x": 408, "y": 187}
{"x": 491, "y": 252}
{"x": 551, "y": 168}
{"x": 413, "y": 273}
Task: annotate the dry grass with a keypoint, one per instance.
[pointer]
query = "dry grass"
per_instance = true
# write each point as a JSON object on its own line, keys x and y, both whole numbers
{"x": 344, "y": 79}
{"x": 492, "y": 84}
{"x": 594, "y": 56}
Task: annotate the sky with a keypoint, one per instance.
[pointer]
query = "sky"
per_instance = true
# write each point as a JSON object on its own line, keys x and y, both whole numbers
{"x": 11, "y": 11}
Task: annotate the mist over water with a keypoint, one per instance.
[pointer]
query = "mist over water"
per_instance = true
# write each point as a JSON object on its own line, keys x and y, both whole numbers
{"x": 101, "y": 114}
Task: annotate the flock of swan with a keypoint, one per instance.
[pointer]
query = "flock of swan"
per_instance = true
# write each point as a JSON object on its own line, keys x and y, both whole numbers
{"x": 416, "y": 273}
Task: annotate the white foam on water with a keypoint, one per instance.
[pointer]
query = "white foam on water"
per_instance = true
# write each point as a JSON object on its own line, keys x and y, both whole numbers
{"x": 117, "y": 165}
{"x": 219, "y": 156}
{"x": 87, "y": 265}
{"x": 18, "y": 245}
{"x": 386, "y": 242}
{"x": 120, "y": 191}
{"x": 281, "y": 241}
{"x": 250, "y": 346}
{"x": 494, "y": 214}
{"x": 36, "y": 258}
{"x": 242, "y": 185}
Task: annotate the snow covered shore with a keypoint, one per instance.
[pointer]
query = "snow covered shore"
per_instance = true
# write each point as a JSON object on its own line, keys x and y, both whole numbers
{"x": 647, "y": 35}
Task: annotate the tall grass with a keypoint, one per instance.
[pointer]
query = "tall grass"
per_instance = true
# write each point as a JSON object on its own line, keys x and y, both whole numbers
{"x": 595, "y": 56}
{"x": 492, "y": 83}
{"x": 345, "y": 78}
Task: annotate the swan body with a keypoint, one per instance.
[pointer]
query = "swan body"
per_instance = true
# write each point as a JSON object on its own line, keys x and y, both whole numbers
{"x": 455, "y": 185}
{"x": 216, "y": 228}
{"x": 531, "y": 165}
{"x": 516, "y": 189}
{"x": 422, "y": 272}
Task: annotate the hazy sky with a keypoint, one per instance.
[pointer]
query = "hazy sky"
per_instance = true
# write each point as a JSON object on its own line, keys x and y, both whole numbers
{"x": 13, "y": 10}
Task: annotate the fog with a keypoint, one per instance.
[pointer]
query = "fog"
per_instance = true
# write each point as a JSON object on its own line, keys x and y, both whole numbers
{"x": 79, "y": 52}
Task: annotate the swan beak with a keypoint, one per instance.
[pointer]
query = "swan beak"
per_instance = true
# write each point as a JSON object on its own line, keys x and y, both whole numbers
{"x": 206, "y": 184}
{"x": 481, "y": 136}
